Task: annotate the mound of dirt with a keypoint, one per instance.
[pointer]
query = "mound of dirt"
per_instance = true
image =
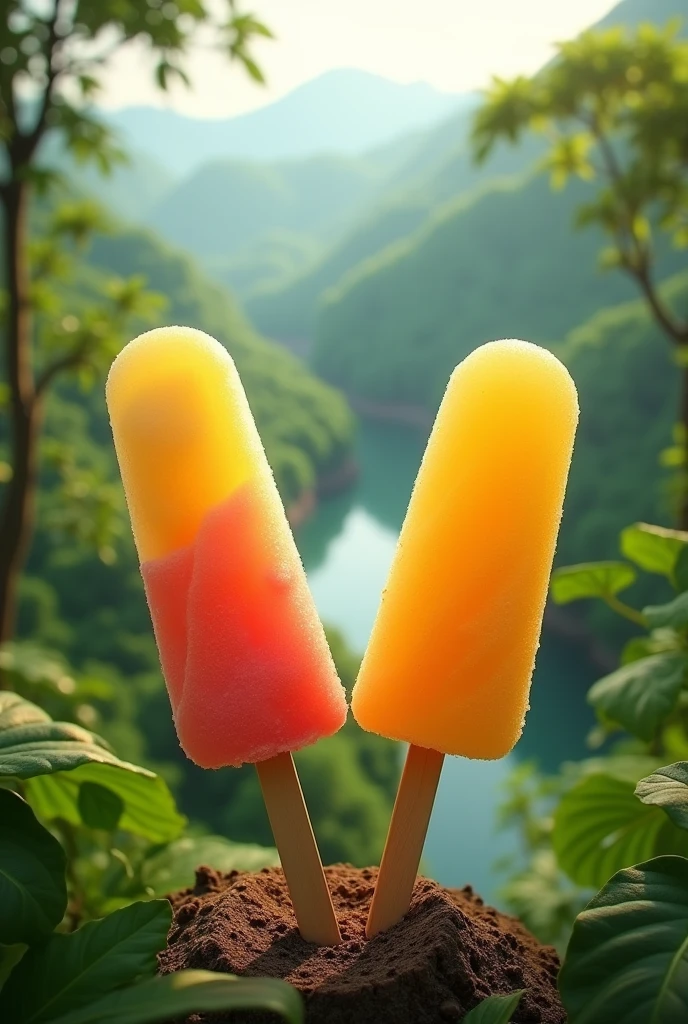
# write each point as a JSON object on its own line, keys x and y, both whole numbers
{"x": 448, "y": 953}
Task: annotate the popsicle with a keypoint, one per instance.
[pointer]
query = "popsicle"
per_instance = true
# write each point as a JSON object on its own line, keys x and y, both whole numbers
{"x": 450, "y": 659}
{"x": 247, "y": 666}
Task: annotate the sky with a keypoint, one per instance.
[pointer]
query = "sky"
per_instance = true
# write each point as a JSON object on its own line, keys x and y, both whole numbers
{"x": 455, "y": 45}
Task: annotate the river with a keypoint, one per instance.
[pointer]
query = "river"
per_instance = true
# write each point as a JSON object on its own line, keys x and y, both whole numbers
{"x": 347, "y": 548}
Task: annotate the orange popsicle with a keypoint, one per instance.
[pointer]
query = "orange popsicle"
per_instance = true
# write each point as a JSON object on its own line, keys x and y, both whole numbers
{"x": 245, "y": 659}
{"x": 451, "y": 656}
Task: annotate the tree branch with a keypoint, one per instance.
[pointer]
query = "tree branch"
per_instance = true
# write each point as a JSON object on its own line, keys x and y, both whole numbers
{"x": 22, "y": 146}
{"x": 676, "y": 330}
{"x": 35, "y": 135}
{"x": 69, "y": 361}
{"x": 638, "y": 267}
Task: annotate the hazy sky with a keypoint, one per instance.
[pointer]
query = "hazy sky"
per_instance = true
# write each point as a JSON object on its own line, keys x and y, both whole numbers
{"x": 455, "y": 45}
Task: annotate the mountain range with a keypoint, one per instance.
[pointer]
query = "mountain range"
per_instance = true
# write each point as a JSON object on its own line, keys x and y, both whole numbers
{"x": 344, "y": 111}
{"x": 386, "y": 268}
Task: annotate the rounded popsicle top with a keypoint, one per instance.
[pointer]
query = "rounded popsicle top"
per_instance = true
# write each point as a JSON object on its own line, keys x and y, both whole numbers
{"x": 523, "y": 372}
{"x": 183, "y": 431}
{"x": 452, "y": 651}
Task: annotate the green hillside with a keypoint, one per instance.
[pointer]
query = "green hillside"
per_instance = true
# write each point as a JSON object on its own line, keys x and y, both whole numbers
{"x": 226, "y": 206}
{"x": 628, "y": 388}
{"x": 286, "y": 312}
{"x": 507, "y": 263}
{"x": 438, "y": 167}
{"x": 264, "y": 263}
{"x": 130, "y": 189}
{"x": 442, "y": 168}
{"x": 305, "y": 425}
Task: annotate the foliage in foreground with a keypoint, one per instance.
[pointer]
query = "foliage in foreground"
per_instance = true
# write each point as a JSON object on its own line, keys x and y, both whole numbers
{"x": 618, "y": 822}
{"x": 84, "y": 835}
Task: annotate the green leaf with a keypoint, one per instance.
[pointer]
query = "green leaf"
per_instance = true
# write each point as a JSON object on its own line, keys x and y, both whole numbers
{"x": 57, "y": 758}
{"x": 32, "y": 744}
{"x": 653, "y": 548}
{"x": 99, "y": 807}
{"x": 627, "y": 767}
{"x": 591, "y": 579}
{"x": 185, "y": 992}
{"x": 149, "y": 807}
{"x": 642, "y": 694}
{"x": 600, "y": 827}
{"x": 33, "y": 891}
{"x": 681, "y": 564}
{"x": 9, "y": 958}
{"x": 173, "y": 868}
{"x": 627, "y": 960}
{"x": 674, "y": 614}
{"x": 71, "y": 971}
{"x": 667, "y": 788}
{"x": 494, "y": 1009}
{"x": 657, "y": 642}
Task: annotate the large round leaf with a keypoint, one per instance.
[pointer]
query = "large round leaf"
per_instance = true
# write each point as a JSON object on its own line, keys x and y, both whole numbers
{"x": 627, "y": 960}
{"x": 32, "y": 744}
{"x": 99, "y": 807}
{"x": 641, "y": 694}
{"x": 57, "y": 758}
{"x": 591, "y": 579}
{"x": 600, "y": 826}
{"x": 668, "y": 788}
{"x": 149, "y": 807}
{"x": 673, "y": 615}
{"x": 681, "y": 570}
{"x": 33, "y": 892}
{"x": 176, "y": 995}
{"x": 653, "y": 548}
{"x": 71, "y": 971}
{"x": 173, "y": 868}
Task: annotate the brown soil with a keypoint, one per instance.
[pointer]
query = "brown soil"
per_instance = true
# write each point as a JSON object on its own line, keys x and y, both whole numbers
{"x": 448, "y": 953}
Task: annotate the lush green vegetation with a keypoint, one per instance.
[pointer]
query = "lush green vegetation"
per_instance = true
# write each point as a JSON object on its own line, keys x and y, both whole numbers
{"x": 436, "y": 168}
{"x": 88, "y": 842}
{"x": 227, "y": 211}
{"x": 622, "y": 812}
{"x": 504, "y": 264}
{"x": 265, "y": 263}
{"x": 287, "y": 311}
{"x": 628, "y": 385}
{"x": 306, "y": 426}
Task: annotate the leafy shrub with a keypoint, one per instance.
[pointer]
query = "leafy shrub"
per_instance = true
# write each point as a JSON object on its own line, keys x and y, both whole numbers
{"x": 619, "y": 820}
{"x": 53, "y": 966}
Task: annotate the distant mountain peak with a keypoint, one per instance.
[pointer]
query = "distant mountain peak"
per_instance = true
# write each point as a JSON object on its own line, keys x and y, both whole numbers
{"x": 343, "y": 110}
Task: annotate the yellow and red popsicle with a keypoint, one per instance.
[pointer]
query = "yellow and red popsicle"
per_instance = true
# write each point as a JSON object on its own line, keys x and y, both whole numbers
{"x": 243, "y": 652}
{"x": 451, "y": 656}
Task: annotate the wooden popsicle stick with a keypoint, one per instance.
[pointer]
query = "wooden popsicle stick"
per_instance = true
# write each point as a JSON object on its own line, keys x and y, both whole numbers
{"x": 405, "y": 839}
{"x": 298, "y": 851}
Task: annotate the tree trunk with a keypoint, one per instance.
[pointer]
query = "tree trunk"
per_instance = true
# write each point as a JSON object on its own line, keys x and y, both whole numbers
{"x": 683, "y": 508}
{"x": 16, "y": 519}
